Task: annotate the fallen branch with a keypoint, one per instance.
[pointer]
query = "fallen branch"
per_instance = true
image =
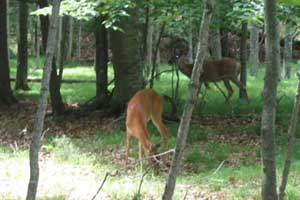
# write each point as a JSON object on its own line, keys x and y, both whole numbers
{"x": 142, "y": 179}
{"x": 104, "y": 180}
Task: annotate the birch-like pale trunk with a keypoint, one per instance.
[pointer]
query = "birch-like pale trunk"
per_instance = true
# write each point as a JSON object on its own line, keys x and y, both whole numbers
{"x": 291, "y": 135}
{"x": 254, "y": 49}
{"x": 269, "y": 189}
{"x": 288, "y": 50}
{"x": 42, "y": 106}
{"x": 192, "y": 98}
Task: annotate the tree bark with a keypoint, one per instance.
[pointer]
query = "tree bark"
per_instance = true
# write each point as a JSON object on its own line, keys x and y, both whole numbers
{"x": 190, "y": 42}
{"x": 55, "y": 96}
{"x": 128, "y": 71}
{"x": 70, "y": 43}
{"x": 6, "y": 95}
{"x": 149, "y": 43}
{"x": 78, "y": 47}
{"x": 37, "y": 41}
{"x": 254, "y": 49}
{"x": 268, "y": 191}
{"x": 192, "y": 98}
{"x": 243, "y": 59}
{"x": 288, "y": 50}
{"x": 215, "y": 36}
{"x": 291, "y": 135}
{"x": 22, "y": 67}
{"x": 101, "y": 58}
{"x": 42, "y": 106}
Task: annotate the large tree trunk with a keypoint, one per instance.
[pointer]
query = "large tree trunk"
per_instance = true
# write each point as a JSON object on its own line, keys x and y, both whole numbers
{"x": 268, "y": 191}
{"x": 254, "y": 49}
{"x": 55, "y": 96}
{"x": 7, "y": 26}
{"x": 40, "y": 115}
{"x": 243, "y": 59}
{"x": 192, "y": 98}
{"x": 6, "y": 95}
{"x": 288, "y": 50}
{"x": 22, "y": 67}
{"x": 101, "y": 58}
{"x": 126, "y": 60}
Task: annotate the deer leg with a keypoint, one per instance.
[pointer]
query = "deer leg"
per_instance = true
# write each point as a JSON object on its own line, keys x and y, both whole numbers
{"x": 157, "y": 121}
{"x": 240, "y": 85}
{"x": 229, "y": 89}
{"x": 128, "y": 137}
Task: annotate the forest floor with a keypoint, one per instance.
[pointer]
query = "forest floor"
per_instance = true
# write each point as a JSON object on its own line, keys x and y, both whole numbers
{"x": 221, "y": 160}
{"x": 78, "y": 150}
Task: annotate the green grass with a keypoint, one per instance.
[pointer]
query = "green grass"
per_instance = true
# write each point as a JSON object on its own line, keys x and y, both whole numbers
{"x": 93, "y": 154}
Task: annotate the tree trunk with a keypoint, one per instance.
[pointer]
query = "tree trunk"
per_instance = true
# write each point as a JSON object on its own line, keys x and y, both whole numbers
{"x": 37, "y": 41}
{"x": 6, "y": 95}
{"x": 288, "y": 50}
{"x": 78, "y": 47}
{"x": 64, "y": 25}
{"x": 70, "y": 43}
{"x": 190, "y": 42}
{"x": 59, "y": 38}
{"x": 254, "y": 49}
{"x": 7, "y": 27}
{"x": 224, "y": 43}
{"x": 128, "y": 71}
{"x": 291, "y": 135}
{"x": 215, "y": 38}
{"x": 192, "y": 98}
{"x": 101, "y": 58}
{"x": 55, "y": 96}
{"x": 22, "y": 67}
{"x": 149, "y": 43}
{"x": 40, "y": 115}
{"x": 243, "y": 58}
{"x": 268, "y": 191}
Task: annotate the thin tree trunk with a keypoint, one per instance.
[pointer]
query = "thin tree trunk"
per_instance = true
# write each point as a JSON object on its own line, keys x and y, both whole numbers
{"x": 22, "y": 67}
{"x": 224, "y": 43}
{"x": 55, "y": 96}
{"x": 101, "y": 60}
{"x": 70, "y": 48}
{"x": 37, "y": 41}
{"x": 288, "y": 50}
{"x": 63, "y": 43}
{"x": 190, "y": 42}
{"x": 155, "y": 55}
{"x": 291, "y": 135}
{"x": 215, "y": 36}
{"x": 149, "y": 43}
{"x": 157, "y": 70}
{"x": 268, "y": 190}
{"x": 40, "y": 115}
{"x": 243, "y": 58}
{"x": 59, "y": 38}
{"x": 78, "y": 47}
{"x": 6, "y": 95}
{"x": 192, "y": 98}
{"x": 254, "y": 49}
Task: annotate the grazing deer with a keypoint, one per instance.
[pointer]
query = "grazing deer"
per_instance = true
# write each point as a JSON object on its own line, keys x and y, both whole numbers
{"x": 146, "y": 104}
{"x": 225, "y": 69}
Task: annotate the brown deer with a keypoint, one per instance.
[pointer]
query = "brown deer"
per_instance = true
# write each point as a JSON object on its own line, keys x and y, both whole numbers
{"x": 225, "y": 69}
{"x": 146, "y": 104}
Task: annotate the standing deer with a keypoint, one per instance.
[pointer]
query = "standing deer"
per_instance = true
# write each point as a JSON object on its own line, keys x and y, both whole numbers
{"x": 146, "y": 104}
{"x": 225, "y": 69}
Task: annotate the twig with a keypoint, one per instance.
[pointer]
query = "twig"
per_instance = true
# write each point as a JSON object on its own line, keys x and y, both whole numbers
{"x": 143, "y": 176}
{"x": 104, "y": 180}
{"x": 154, "y": 156}
{"x": 43, "y": 133}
